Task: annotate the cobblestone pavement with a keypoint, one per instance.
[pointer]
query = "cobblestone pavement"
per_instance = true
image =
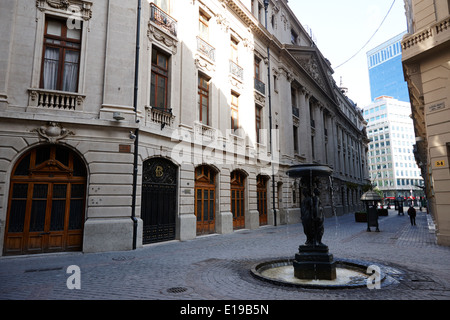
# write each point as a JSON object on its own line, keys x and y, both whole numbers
{"x": 217, "y": 267}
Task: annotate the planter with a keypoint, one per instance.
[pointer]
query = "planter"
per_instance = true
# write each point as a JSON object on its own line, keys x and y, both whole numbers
{"x": 360, "y": 216}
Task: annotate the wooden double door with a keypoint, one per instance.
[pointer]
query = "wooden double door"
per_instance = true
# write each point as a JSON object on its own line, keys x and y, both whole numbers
{"x": 205, "y": 198}
{"x": 46, "y": 204}
{"x": 261, "y": 191}
{"x": 237, "y": 189}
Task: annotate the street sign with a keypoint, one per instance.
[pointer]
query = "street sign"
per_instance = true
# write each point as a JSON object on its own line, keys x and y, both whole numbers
{"x": 440, "y": 163}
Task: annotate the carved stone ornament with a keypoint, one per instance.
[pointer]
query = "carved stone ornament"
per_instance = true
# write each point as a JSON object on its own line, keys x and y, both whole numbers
{"x": 53, "y": 132}
{"x": 203, "y": 65}
{"x": 162, "y": 37}
{"x": 58, "y": 4}
{"x": 78, "y": 9}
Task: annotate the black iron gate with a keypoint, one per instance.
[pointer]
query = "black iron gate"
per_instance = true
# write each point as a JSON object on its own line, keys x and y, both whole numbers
{"x": 159, "y": 200}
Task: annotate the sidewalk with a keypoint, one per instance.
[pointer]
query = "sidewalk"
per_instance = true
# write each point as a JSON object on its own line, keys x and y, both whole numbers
{"x": 216, "y": 267}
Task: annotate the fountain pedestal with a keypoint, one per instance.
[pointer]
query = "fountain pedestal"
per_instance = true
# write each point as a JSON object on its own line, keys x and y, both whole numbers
{"x": 315, "y": 263}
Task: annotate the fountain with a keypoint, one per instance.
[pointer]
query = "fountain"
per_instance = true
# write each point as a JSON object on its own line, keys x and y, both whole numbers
{"x": 313, "y": 261}
{"x": 313, "y": 265}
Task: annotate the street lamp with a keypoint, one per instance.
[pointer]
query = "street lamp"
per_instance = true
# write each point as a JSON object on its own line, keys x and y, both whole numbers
{"x": 266, "y": 5}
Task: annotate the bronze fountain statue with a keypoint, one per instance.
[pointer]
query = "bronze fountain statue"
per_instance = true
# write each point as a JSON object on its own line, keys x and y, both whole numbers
{"x": 313, "y": 261}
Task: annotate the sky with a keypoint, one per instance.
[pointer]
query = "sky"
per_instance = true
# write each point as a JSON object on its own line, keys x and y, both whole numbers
{"x": 341, "y": 28}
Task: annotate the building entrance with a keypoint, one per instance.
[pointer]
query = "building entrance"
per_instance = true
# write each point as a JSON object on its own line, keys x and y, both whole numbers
{"x": 205, "y": 191}
{"x": 46, "y": 204}
{"x": 237, "y": 199}
{"x": 159, "y": 200}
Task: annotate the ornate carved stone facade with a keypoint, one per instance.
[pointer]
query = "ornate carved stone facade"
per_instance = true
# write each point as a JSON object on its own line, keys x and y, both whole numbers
{"x": 196, "y": 99}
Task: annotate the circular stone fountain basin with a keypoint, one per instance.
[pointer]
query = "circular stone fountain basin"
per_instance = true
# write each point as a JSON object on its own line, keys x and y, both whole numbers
{"x": 281, "y": 272}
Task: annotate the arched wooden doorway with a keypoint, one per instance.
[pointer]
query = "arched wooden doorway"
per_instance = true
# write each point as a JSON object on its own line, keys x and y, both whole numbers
{"x": 46, "y": 204}
{"x": 261, "y": 192}
{"x": 238, "y": 199}
{"x": 159, "y": 200}
{"x": 205, "y": 194}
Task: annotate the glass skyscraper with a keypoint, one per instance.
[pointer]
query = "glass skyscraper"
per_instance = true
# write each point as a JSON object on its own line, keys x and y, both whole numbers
{"x": 386, "y": 70}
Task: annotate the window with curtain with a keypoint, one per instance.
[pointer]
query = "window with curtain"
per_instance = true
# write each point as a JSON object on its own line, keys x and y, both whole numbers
{"x": 61, "y": 58}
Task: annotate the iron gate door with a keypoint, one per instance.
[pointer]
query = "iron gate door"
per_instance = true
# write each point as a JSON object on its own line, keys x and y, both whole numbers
{"x": 159, "y": 200}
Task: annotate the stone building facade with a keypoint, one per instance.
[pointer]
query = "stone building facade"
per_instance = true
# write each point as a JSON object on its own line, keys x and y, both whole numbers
{"x": 124, "y": 123}
{"x": 426, "y": 56}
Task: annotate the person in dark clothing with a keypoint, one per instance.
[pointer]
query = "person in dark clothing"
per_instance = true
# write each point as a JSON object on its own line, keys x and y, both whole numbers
{"x": 412, "y": 215}
{"x": 400, "y": 209}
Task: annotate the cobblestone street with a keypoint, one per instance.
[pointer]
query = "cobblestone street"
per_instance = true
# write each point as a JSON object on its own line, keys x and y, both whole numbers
{"x": 217, "y": 267}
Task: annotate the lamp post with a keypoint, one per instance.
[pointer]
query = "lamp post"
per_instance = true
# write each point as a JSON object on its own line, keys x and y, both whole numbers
{"x": 266, "y": 5}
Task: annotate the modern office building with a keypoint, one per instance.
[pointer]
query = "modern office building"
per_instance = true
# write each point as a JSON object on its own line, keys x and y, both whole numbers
{"x": 392, "y": 166}
{"x": 124, "y": 123}
{"x": 426, "y": 57}
{"x": 386, "y": 70}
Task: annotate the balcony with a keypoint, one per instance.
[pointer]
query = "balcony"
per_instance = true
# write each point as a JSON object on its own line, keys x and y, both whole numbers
{"x": 236, "y": 70}
{"x": 162, "y": 19}
{"x": 260, "y": 86}
{"x": 159, "y": 117}
{"x": 204, "y": 132}
{"x": 58, "y": 100}
{"x": 206, "y": 49}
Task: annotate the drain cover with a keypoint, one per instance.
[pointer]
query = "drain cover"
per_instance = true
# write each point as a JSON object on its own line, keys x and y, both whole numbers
{"x": 122, "y": 258}
{"x": 177, "y": 290}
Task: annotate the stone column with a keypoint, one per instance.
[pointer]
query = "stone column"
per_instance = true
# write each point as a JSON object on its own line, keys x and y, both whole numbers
{"x": 251, "y": 214}
{"x": 319, "y": 141}
{"x": 224, "y": 218}
{"x": 332, "y": 145}
{"x": 305, "y": 124}
{"x": 7, "y": 15}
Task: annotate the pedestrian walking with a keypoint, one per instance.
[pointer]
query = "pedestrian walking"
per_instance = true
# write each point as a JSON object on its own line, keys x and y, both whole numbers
{"x": 400, "y": 209}
{"x": 412, "y": 215}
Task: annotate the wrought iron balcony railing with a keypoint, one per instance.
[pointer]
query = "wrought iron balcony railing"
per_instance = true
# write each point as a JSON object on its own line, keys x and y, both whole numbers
{"x": 260, "y": 86}
{"x": 236, "y": 70}
{"x": 162, "y": 19}
{"x": 206, "y": 49}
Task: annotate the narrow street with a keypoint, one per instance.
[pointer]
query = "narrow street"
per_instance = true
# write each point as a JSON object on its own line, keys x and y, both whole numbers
{"x": 217, "y": 267}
